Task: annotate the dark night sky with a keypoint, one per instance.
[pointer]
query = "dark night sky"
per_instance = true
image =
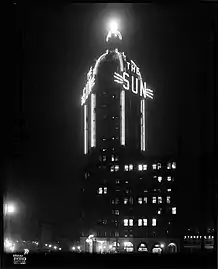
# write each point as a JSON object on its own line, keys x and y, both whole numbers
{"x": 53, "y": 48}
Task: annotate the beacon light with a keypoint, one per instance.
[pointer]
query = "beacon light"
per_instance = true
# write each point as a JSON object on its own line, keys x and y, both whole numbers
{"x": 113, "y": 26}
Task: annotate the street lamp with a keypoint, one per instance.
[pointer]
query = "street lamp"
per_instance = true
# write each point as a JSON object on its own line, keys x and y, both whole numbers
{"x": 9, "y": 210}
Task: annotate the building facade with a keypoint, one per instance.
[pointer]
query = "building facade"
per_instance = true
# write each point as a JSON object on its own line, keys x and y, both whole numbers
{"x": 128, "y": 198}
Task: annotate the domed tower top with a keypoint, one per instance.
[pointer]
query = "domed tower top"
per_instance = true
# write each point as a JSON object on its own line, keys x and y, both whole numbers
{"x": 114, "y": 37}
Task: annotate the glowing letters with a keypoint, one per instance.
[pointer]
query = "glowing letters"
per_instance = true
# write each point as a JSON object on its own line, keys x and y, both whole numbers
{"x": 89, "y": 85}
{"x": 138, "y": 87}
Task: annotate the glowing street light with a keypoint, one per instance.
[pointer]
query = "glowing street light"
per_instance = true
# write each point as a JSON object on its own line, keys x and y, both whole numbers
{"x": 9, "y": 209}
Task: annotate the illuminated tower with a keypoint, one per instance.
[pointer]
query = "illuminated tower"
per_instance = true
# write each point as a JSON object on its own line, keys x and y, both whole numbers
{"x": 114, "y": 111}
{"x": 115, "y": 86}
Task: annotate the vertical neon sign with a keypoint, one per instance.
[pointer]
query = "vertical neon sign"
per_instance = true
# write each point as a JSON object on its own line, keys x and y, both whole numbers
{"x": 93, "y": 120}
{"x": 85, "y": 130}
{"x": 122, "y": 117}
{"x": 143, "y": 124}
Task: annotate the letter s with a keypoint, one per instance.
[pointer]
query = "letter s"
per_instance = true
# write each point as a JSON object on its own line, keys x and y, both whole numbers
{"x": 126, "y": 87}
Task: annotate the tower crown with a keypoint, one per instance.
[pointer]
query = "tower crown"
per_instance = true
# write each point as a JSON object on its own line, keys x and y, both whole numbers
{"x": 114, "y": 37}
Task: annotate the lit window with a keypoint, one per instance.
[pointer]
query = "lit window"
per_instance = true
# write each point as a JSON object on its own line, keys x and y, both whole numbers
{"x": 154, "y": 222}
{"x": 140, "y": 167}
{"x": 117, "y": 201}
{"x": 158, "y": 166}
{"x": 145, "y": 200}
{"x": 159, "y": 179}
{"x": 112, "y": 158}
{"x": 145, "y": 190}
{"x": 140, "y": 200}
{"x": 126, "y": 181}
{"x": 169, "y": 166}
{"x": 126, "y": 168}
{"x": 104, "y": 158}
{"x": 145, "y": 222}
{"x": 174, "y": 210}
{"x": 116, "y": 158}
{"x": 112, "y": 201}
{"x": 100, "y": 190}
{"x": 125, "y": 222}
{"x": 168, "y": 199}
{"x": 127, "y": 191}
{"x": 131, "y": 222}
{"x": 113, "y": 138}
{"x": 130, "y": 167}
{"x": 117, "y": 212}
{"x": 159, "y": 211}
{"x": 117, "y": 181}
{"x": 125, "y": 201}
{"x": 169, "y": 178}
{"x": 112, "y": 168}
{"x": 159, "y": 200}
{"x": 168, "y": 189}
{"x": 145, "y": 167}
{"x": 154, "y": 200}
{"x": 173, "y": 165}
{"x": 103, "y": 149}
{"x": 105, "y": 190}
{"x": 139, "y": 222}
{"x": 116, "y": 168}
{"x": 154, "y": 166}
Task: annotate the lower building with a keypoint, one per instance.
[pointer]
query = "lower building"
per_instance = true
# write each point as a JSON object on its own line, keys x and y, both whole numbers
{"x": 130, "y": 206}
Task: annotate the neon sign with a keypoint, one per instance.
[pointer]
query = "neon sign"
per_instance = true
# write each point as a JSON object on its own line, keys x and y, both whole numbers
{"x": 132, "y": 79}
{"x": 137, "y": 85}
{"x": 89, "y": 85}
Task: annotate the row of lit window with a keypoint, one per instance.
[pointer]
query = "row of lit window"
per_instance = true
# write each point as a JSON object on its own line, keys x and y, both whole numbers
{"x": 159, "y": 178}
{"x": 130, "y": 167}
{"x": 117, "y": 211}
{"x": 198, "y": 237}
{"x": 141, "y": 167}
{"x": 141, "y": 222}
{"x": 143, "y": 200}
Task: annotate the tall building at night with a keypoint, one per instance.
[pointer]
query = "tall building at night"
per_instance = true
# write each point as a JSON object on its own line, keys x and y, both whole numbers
{"x": 128, "y": 198}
